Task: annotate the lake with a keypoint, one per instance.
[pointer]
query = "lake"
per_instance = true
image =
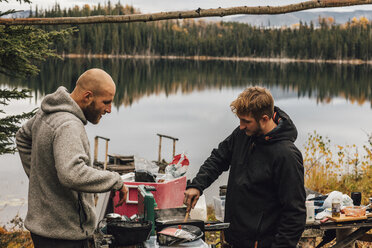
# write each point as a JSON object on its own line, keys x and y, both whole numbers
{"x": 190, "y": 100}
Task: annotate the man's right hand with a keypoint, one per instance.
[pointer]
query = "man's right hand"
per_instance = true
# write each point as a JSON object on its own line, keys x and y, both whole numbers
{"x": 191, "y": 198}
{"x": 123, "y": 192}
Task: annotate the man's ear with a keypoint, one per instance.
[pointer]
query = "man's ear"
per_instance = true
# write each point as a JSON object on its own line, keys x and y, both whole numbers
{"x": 265, "y": 118}
{"x": 87, "y": 97}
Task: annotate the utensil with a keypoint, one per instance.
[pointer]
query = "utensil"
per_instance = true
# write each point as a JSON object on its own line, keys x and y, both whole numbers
{"x": 367, "y": 206}
{"x": 186, "y": 216}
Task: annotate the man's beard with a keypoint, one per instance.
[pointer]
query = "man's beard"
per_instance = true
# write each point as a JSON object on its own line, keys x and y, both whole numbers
{"x": 256, "y": 132}
{"x": 92, "y": 114}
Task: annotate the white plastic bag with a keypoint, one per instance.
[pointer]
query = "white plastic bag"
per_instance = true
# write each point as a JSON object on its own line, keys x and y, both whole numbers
{"x": 333, "y": 195}
{"x": 199, "y": 212}
{"x": 345, "y": 199}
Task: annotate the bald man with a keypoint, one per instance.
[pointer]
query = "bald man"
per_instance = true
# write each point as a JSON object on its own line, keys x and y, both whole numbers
{"x": 55, "y": 154}
{"x": 94, "y": 93}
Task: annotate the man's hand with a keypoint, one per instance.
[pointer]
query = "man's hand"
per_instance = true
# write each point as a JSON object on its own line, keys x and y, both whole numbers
{"x": 191, "y": 198}
{"x": 122, "y": 196}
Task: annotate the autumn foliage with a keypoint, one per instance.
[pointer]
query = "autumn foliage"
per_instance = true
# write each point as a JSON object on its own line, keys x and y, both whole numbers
{"x": 16, "y": 236}
{"x": 342, "y": 168}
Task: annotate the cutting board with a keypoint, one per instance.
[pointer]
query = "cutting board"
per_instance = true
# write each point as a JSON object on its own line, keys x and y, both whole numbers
{"x": 344, "y": 218}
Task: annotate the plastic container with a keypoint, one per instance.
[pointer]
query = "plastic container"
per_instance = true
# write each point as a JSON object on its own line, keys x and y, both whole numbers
{"x": 355, "y": 211}
{"x": 336, "y": 207}
{"x": 310, "y": 212}
{"x": 168, "y": 194}
{"x": 219, "y": 208}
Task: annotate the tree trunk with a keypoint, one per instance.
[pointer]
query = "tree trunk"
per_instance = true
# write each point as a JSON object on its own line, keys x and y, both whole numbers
{"x": 259, "y": 10}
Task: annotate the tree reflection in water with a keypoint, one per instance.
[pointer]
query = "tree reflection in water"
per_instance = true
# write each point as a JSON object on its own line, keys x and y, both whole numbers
{"x": 136, "y": 78}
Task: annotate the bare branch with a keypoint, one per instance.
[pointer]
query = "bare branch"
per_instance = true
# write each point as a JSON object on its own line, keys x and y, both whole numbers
{"x": 11, "y": 11}
{"x": 259, "y": 10}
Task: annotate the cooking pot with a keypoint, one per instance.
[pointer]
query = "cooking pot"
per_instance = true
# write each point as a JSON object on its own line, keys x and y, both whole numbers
{"x": 129, "y": 232}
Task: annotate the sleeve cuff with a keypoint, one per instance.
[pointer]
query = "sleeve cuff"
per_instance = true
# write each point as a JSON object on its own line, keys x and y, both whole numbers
{"x": 195, "y": 187}
{"x": 119, "y": 184}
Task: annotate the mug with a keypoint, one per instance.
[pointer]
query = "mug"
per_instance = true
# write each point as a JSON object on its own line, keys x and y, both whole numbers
{"x": 356, "y": 197}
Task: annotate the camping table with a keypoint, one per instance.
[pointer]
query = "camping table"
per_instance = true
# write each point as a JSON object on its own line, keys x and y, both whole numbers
{"x": 360, "y": 226}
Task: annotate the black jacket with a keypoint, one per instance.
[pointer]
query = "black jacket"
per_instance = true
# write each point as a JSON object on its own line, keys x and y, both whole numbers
{"x": 265, "y": 198}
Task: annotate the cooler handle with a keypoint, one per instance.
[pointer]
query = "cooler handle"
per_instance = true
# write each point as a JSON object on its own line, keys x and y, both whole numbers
{"x": 131, "y": 187}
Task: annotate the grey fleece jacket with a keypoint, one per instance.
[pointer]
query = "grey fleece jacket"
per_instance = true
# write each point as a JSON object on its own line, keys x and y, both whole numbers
{"x": 55, "y": 154}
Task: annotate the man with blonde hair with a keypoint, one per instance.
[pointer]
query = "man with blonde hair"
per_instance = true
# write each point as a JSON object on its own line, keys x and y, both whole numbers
{"x": 55, "y": 154}
{"x": 265, "y": 200}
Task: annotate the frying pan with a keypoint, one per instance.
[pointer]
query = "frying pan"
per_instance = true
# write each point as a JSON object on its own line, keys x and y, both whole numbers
{"x": 184, "y": 233}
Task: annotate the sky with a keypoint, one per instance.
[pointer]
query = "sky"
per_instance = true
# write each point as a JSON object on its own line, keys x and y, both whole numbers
{"x": 151, "y": 6}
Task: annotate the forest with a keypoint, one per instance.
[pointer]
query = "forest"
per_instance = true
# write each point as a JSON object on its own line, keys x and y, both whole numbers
{"x": 324, "y": 41}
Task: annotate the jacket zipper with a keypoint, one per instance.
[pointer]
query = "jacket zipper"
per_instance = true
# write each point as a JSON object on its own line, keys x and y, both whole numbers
{"x": 258, "y": 230}
{"x": 82, "y": 214}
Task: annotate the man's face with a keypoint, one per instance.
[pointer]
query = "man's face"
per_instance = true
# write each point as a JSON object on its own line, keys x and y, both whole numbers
{"x": 99, "y": 106}
{"x": 249, "y": 125}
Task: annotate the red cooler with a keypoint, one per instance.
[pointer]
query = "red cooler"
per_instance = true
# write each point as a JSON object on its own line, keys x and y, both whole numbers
{"x": 169, "y": 194}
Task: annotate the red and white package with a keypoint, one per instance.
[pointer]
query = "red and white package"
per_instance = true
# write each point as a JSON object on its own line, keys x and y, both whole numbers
{"x": 178, "y": 166}
{"x": 180, "y": 159}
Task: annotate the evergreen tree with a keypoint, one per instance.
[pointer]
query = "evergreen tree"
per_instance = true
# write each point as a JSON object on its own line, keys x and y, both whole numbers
{"x": 326, "y": 40}
{"x": 21, "y": 51}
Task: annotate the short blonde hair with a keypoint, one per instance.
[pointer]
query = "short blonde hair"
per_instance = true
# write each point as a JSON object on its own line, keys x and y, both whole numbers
{"x": 255, "y": 101}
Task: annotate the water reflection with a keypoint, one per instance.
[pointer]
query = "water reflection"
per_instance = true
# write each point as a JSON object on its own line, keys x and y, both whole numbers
{"x": 139, "y": 78}
{"x": 190, "y": 100}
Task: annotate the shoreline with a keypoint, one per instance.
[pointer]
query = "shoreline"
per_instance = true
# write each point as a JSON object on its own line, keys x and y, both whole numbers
{"x": 211, "y": 58}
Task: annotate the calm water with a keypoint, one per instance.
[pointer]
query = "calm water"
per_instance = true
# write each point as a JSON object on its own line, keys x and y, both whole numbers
{"x": 190, "y": 100}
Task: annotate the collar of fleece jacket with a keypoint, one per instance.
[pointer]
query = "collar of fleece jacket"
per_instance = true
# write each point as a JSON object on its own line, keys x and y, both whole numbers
{"x": 285, "y": 129}
{"x": 61, "y": 101}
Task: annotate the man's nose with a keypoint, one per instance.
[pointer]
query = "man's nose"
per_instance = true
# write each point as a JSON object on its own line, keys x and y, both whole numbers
{"x": 108, "y": 109}
{"x": 242, "y": 126}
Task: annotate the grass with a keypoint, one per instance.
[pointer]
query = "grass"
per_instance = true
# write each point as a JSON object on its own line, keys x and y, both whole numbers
{"x": 212, "y": 237}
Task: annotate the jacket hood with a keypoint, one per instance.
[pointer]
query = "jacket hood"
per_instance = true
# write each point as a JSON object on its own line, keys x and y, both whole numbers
{"x": 61, "y": 101}
{"x": 285, "y": 129}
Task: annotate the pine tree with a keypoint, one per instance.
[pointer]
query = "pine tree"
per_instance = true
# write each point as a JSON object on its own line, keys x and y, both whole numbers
{"x": 21, "y": 51}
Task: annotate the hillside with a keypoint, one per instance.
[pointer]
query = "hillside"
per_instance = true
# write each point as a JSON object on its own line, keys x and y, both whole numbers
{"x": 295, "y": 17}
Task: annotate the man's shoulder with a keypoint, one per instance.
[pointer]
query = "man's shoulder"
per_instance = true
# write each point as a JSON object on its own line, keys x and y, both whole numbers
{"x": 58, "y": 119}
{"x": 285, "y": 148}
